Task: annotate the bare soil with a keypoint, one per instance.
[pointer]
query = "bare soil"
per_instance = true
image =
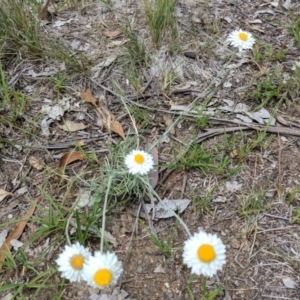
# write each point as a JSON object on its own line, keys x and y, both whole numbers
{"x": 263, "y": 245}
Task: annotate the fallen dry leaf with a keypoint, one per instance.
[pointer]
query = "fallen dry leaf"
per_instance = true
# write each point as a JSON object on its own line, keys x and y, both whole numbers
{"x": 80, "y": 143}
{"x": 159, "y": 269}
{"x": 15, "y": 234}
{"x": 117, "y": 128}
{"x": 108, "y": 119}
{"x": 233, "y": 186}
{"x": 166, "y": 208}
{"x": 112, "y": 34}
{"x": 71, "y": 126}
{"x": 4, "y": 193}
{"x": 69, "y": 157}
{"x": 56, "y": 111}
{"x": 281, "y": 120}
{"x": 88, "y": 97}
{"x": 234, "y": 153}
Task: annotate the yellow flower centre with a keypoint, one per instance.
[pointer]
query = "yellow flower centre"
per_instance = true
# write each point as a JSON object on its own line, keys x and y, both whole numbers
{"x": 206, "y": 253}
{"x": 139, "y": 158}
{"x": 76, "y": 261}
{"x": 103, "y": 277}
{"x": 243, "y": 36}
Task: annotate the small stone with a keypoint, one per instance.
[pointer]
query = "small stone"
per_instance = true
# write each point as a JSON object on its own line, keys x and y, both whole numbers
{"x": 159, "y": 269}
{"x": 139, "y": 269}
{"x": 289, "y": 283}
{"x": 228, "y": 19}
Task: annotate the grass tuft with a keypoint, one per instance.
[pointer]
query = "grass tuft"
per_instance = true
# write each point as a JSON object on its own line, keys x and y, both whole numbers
{"x": 13, "y": 103}
{"x": 160, "y": 17}
{"x": 295, "y": 29}
{"x": 22, "y": 34}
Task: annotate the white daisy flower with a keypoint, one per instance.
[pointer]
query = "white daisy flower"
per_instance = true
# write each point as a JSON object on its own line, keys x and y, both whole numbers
{"x": 139, "y": 162}
{"x": 72, "y": 260}
{"x": 241, "y": 39}
{"x": 204, "y": 253}
{"x": 102, "y": 270}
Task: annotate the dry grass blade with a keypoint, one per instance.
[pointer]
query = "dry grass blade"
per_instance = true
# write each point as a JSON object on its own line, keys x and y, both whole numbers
{"x": 4, "y": 194}
{"x": 15, "y": 234}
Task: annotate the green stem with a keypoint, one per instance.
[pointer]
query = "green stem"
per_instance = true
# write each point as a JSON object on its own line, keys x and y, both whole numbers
{"x": 67, "y": 228}
{"x": 204, "y": 287}
{"x": 104, "y": 213}
{"x": 68, "y": 222}
{"x": 188, "y": 288}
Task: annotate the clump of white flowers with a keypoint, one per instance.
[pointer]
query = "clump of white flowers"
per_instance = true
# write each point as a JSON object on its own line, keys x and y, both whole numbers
{"x": 101, "y": 270}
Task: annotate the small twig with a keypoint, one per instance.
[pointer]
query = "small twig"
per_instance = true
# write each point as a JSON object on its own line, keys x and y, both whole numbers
{"x": 291, "y": 214}
{"x": 279, "y": 183}
{"x": 276, "y": 217}
{"x": 228, "y": 217}
{"x": 183, "y": 185}
{"x": 156, "y": 94}
{"x": 235, "y": 258}
{"x": 44, "y": 9}
{"x": 295, "y": 125}
{"x": 149, "y": 80}
{"x": 240, "y": 279}
{"x": 62, "y": 145}
{"x": 12, "y": 161}
{"x": 252, "y": 246}
{"x": 26, "y": 173}
{"x": 276, "y": 229}
{"x": 277, "y": 297}
{"x": 248, "y": 289}
{"x": 264, "y": 265}
{"x": 255, "y": 169}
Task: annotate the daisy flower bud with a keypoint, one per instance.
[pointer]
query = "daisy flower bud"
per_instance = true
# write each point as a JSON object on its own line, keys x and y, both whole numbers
{"x": 139, "y": 162}
{"x": 72, "y": 260}
{"x": 204, "y": 253}
{"x": 102, "y": 270}
{"x": 241, "y": 39}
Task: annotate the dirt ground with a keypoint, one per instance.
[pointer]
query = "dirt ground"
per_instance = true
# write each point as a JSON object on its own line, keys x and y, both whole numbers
{"x": 253, "y": 211}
